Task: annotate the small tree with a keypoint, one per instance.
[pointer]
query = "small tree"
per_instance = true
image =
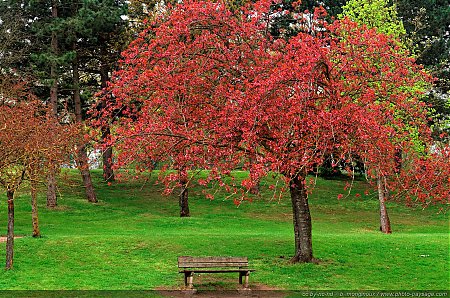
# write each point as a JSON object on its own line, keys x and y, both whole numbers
{"x": 30, "y": 140}
{"x": 50, "y": 153}
{"x": 382, "y": 17}
{"x": 375, "y": 71}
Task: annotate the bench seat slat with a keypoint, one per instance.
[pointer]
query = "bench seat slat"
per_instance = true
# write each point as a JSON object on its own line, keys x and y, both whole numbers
{"x": 208, "y": 265}
{"x": 217, "y": 271}
{"x": 213, "y": 259}
{"x": 212, "y": 262}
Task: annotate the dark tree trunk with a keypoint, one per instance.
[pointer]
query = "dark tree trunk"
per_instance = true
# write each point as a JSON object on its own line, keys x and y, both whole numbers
{"x": 107, "y": 156}
{"x": 51, "y": 180}
{"x": 385, "y": 224}
{"x": 34, "y": 209}
{"x": 76, "y": 89}
{"x": 108, "y": 173}
{"x": 302, "y": 220}
{"x": 82, "y": 158}
{"x": 86, "y": 175}
{"x": 10, "y": 235}
{"x": 184, "y": 195}
{"x": 53, "y": 66}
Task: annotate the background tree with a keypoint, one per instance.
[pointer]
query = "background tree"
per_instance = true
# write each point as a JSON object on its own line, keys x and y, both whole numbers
{"x": 14, "y": 40}
{"x": 392, "y": 94}
{"x": 73, "y": 48}
{"x": 26, "y": 150}
{"x": 377, "y": 14}
{"x": 51, "y": 180}
{"x": 79, "y": 68}
{"x": 426, "y": 23}
{"x": 382, "y": 17}
{"x": 99, "y": 53}
{"x": 48, "y": 153}
{"x": 43, "y": 62}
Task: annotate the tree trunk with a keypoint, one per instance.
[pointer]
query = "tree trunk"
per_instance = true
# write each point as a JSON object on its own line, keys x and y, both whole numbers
{"x": 53, "y": 66}
{"x": 385, "y": 224}
{"x": 34, "y": 209}
{"x": 10, "y": 235}
{"x": 51, "y": 180}
{"x": 83, "y": 166}
{"x": 302, "y": 220}
{"x": 82, "y": 159}
{"x": 76, "y": 89}
{"x": 184, "y": 195}
{"x": 108, "y": 173}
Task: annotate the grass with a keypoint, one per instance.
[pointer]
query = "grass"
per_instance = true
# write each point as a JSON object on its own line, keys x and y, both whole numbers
{"x": 130, "y": 240}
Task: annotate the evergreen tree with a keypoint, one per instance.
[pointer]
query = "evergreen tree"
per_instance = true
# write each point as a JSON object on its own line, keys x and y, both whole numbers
{"x": 98, "y": 51}
{"x": 14, "y": 40}
{"x": 427, "y": 23}
{"x": 72, "y": 48}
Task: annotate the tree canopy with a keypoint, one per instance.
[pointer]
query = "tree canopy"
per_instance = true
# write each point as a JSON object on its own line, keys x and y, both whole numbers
{"x": 210, "y": 88}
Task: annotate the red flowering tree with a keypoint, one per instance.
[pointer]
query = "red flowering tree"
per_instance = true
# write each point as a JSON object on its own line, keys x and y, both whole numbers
{"x": 389, "y": 132}
{"x": 208, "y": 88}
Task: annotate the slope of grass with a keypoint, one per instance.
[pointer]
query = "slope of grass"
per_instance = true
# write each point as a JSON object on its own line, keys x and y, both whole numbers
{"x": 130, "y": 240}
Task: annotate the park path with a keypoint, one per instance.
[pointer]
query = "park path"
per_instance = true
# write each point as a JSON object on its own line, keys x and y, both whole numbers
{"x": 3, "y": 239}
{"x": 257, "y": 290}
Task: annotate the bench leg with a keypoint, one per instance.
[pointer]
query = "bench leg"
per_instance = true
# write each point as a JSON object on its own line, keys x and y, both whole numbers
{"x": 189, "y": 280}
{"x": 246, "y": 274}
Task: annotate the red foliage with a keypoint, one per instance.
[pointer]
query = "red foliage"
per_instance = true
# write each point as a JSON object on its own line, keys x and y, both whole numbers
{"x": 31, "y": 139}
{"x": 426, "y": 179}
{"x": 207, "y": 88}
{"x": 212, "y": 90}
{"x": 389, "y": 130}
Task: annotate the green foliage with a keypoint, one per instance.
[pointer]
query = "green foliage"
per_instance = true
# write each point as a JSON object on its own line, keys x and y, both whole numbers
{"x": 91, "y": 32}
{"x": 13, "y": 45}
{"x": 382, "y": 16}
{"x": 375, "y": 14}
{"x": 130, "y": 240}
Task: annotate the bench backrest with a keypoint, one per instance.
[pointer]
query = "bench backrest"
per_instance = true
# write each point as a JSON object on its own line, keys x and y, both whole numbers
{"x": 209, "y": 262}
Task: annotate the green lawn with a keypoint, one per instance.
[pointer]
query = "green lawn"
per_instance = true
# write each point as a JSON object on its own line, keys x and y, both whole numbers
{"x": 130, "y": 240}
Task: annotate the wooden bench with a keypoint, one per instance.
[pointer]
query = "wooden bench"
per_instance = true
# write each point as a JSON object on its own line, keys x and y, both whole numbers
{"x": 191, "y": 265}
